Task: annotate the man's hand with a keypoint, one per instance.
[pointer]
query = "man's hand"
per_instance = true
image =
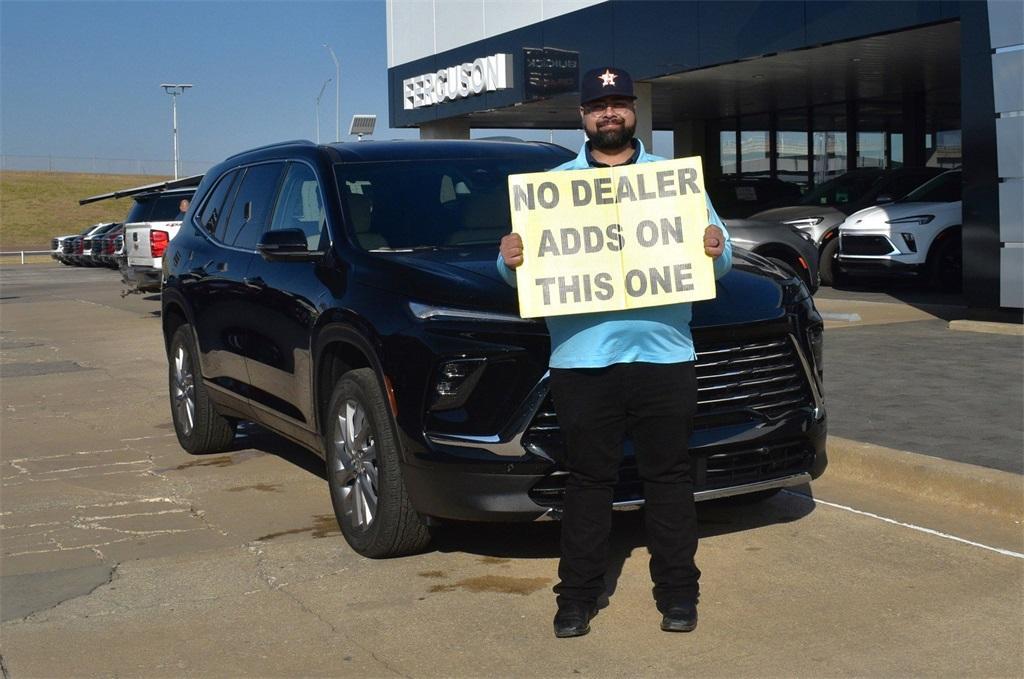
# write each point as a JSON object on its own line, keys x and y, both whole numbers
{"x": 512, "y": 250}
{"x": 714, "y": 241}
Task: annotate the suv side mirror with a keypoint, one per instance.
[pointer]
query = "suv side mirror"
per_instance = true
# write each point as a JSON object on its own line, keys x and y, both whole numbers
{"x": 286, "y": 244}
{"x": 883, "y": 198}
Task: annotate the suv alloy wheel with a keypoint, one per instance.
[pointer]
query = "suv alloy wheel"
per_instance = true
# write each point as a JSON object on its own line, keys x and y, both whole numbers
{"x": 200, "y": 428}
{"x": 367, "y": 491}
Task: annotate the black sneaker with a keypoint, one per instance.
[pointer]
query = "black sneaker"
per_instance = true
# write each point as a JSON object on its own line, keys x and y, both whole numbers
{"x": 573, "y": 619}
{"x": 680, "y": 617}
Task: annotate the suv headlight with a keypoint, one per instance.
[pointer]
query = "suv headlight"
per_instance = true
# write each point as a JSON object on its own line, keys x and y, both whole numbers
{"x": 915, "y": 219}
{"x": 805, "y": 222}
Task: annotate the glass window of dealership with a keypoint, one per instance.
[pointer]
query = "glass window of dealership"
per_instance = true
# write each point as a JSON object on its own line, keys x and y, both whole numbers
{"x": 811, "y": 145}
{"x": 796, "y": 90}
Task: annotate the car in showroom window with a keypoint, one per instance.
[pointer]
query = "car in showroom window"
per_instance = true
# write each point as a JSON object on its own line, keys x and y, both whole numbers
{"x": 918, "y": 235}
{"x": 364, "y": 318}
{"x": 820, "y": 211}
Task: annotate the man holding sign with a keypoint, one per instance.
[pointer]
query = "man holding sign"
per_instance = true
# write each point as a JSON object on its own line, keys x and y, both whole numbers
{"x": 616, "y": 295}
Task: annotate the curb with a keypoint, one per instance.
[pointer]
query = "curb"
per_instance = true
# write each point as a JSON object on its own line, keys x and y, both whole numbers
{"x": 988, "y": 326}
{"x": 954, "y": 483}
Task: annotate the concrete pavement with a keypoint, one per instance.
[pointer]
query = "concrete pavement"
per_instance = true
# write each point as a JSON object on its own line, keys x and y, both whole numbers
{"x": 120, "y": 554}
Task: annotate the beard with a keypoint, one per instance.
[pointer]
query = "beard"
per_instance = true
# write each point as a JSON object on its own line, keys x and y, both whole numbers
{"x": 611, "y": 139}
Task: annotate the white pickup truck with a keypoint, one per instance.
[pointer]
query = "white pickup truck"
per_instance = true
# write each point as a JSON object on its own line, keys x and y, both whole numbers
{"x": 150, "y": 225}
{"x": 146, "y": 237}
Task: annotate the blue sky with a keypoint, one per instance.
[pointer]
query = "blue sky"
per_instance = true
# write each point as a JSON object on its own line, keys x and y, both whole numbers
{"x": 81, "y": 79}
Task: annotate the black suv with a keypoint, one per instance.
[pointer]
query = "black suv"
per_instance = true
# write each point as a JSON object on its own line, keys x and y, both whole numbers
{"x": 346, "y": 296}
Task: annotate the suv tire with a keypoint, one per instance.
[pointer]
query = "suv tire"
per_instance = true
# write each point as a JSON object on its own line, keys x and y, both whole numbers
{"x": 945, "y": 264}
{"x": 200, "y": 428}
{"x": 363, "y": 472}
{"x": 828, "y": 268}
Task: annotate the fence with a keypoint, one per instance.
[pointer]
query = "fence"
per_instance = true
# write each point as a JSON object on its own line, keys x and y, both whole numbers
{"x": 22, "y": 253}
{"x": 97, "y": 165}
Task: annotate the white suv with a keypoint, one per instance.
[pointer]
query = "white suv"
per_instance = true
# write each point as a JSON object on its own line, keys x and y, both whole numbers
{"x": 917, "y": 235}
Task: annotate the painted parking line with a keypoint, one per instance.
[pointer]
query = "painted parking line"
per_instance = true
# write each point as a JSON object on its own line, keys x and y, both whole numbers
{"x": 921, "y": 529}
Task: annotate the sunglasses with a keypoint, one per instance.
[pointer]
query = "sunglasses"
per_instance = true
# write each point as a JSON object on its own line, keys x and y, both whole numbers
{"x": 599, "y": 107}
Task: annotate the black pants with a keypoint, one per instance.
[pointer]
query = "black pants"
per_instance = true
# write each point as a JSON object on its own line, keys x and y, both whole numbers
{"x": 597, "y": 409}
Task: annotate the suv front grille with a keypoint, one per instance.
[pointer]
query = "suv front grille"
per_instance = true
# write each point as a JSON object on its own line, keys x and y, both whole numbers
{"x": 735, "y": 381}
{"x": 53, "y": 244}
{"x": 865, "y": 245}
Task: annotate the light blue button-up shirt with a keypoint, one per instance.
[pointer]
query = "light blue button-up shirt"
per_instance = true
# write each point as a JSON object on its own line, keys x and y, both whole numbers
{"x": 659, "y": 334}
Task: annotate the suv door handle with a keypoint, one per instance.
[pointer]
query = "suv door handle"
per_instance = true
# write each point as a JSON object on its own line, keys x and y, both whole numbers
{"x": 254, "y": 282}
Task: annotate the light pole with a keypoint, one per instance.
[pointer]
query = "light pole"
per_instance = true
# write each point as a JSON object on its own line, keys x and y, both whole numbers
{"x": 324, "y": 87}
{"x": 175, "y": 90}
{"x": 337, "y": 94}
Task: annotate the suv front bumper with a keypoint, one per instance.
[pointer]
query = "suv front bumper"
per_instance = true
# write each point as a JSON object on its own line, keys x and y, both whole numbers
{"x": 752, "y": 434}
{"x": 529, "y": 488}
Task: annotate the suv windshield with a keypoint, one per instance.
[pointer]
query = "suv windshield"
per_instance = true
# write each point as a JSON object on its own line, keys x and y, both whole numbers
{"x": 943, "y": 189}
{"x": 454, "y": 202}
{"x": 843, "y": 189}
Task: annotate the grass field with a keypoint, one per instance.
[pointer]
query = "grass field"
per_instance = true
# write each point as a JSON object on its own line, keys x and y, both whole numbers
{"x": 36, "y": 206}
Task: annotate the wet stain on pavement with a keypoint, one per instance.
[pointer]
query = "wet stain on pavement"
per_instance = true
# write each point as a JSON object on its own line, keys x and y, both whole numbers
{"x": 265, "y": 487}
{"x": 18, "y": 344}
{"x": 500, "y": 584}
{"x": 431, "y": 574}
{"x": 324, "y": 525}
{"x": 40, "y": 368}
{"x": 441, "y": 588}
{"x": 221, "y": 461}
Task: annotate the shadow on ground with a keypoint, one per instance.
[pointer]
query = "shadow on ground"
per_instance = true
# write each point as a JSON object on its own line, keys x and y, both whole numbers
{"x": 920, "y": 294}
{"x": 540, "y": 540}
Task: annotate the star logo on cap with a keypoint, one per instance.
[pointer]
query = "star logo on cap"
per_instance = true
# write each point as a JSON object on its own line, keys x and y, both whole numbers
{"x": 608, "y": 78}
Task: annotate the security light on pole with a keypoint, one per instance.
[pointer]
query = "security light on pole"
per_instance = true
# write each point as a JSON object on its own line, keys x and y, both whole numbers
{"x": 322, "y": 88}
{"x": 337, "y": 94}
{"x": 175, "y": 90}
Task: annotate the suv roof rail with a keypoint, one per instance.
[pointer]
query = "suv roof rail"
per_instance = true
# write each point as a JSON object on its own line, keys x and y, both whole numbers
{"x": 291, "y": 142}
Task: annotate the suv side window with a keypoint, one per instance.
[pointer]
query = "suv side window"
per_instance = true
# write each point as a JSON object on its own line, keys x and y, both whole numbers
{"x": 212, "y": 211}
{"x": 252, "y": 205}
{"x": 301, "y": 205}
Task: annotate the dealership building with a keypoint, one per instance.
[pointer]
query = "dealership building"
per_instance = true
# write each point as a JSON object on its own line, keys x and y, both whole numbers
{"x": 794, "y": 90}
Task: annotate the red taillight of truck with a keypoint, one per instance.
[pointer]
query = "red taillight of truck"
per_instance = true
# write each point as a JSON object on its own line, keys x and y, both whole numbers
{"x": 158, "y": 242}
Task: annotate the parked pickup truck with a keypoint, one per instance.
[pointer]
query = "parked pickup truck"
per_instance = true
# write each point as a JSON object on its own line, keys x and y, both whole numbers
{"x": 146, "y": 238}
{"x": 62, "y": 248}
{"x": 152, "y": 222}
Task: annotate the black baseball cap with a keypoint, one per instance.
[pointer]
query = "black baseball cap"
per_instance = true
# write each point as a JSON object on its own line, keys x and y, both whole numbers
{"x": 606, "y": 81}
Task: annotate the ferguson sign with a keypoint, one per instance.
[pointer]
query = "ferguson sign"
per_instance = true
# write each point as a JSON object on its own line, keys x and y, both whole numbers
{"x": 485, "y": 74}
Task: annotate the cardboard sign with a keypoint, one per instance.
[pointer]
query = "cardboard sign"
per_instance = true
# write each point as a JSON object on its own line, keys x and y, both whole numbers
{"x": 614, "y": 238}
